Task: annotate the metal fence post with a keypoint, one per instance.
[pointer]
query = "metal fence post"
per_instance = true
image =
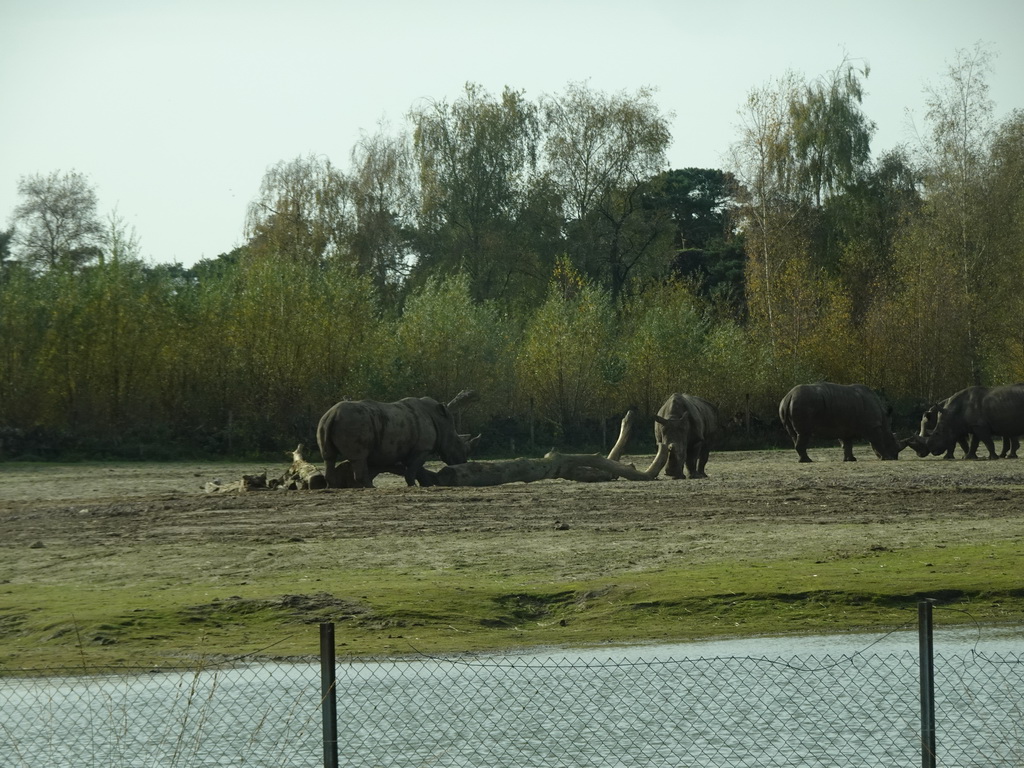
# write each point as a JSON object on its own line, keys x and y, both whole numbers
{"x": 924, "y": 632}
{"x": 328, "y": 693}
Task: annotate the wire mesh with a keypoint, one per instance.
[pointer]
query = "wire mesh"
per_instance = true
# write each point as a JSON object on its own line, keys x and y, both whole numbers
{"x": 858, "y": 710}
{"x": 262, "y": 715}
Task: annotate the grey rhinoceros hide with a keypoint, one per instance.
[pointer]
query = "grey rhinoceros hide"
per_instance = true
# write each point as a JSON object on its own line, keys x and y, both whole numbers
{"x": 981, "y": 412}
{"x": 686, "y": 426}
{"x": 376, "y": 437}
{"x": 844, "y": 412}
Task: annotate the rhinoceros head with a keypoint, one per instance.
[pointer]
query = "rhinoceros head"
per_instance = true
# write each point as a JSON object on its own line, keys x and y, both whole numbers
{"x": 452, "y": 447}
{"x": 917, "y": 443}
{"x": 888, "y": 447}
{"x": 675, "y": 433}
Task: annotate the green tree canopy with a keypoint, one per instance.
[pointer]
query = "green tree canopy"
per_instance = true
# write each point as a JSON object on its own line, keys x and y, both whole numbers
{"x": 57, "y": 222}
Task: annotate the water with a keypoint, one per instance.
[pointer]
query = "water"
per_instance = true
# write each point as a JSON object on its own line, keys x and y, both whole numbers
{"x": 956, "y": 640}
{"x": 844, "y": 700}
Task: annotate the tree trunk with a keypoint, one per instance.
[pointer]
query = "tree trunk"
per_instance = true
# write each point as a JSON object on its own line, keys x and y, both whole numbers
{"x": 584, "y": 468}
{"x": 301, "y": 474}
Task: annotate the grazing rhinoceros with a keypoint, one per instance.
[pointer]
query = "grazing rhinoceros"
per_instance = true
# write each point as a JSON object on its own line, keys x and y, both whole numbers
{"x": 980, "y": 412}
{"x": 686, "y": 427}
{"x": 1011, "y": 443}
{"x": 928, "y": 420}
{"x": 387, "y": 437}
{"x": 846, "y": 412}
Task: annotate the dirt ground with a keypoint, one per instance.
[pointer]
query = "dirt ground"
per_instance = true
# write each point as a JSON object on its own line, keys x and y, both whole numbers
{"x": 750, "y": 499}
{"x": 155, "y": 552}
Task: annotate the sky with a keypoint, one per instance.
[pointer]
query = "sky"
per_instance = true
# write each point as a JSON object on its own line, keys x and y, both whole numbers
{"x": 175, "y": 109}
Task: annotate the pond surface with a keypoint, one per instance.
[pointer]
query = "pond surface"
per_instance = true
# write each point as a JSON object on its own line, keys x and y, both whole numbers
{"x": 957, "y": 640}
{"x": 828, "y": 701}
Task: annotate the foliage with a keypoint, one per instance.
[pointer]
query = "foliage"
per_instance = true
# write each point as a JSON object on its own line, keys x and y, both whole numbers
{"x": 602, "y": 152}
{"x": 475, "y": 159}
{"x": 541, "y": 253}
{"x": 566, "y": 361}
{"x": 301, "y": 213}
{"x": 664, "y": 339}
{"x": 57, "y": 224}
{"x": 445, "y": 342}
{"x": 1004, "y": 222}
{"x": 954, "y": 154}
{"x": 382, "y": 195}
{"x": 831, "y": 137}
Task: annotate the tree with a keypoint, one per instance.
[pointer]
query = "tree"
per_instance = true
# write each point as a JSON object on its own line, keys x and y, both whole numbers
{"x": 701, "y": 203}
{"x": 864, "y": 222}
{"x": 300, "y": 213}
{"x": 6, "y": 260}
{"x": 960, "y": 114}
{"x": 445, "y": 342}
{"x": 802, "y": 145}
{"x": 57, "y": 221}
{"x": 381, "y": 190}
{"x": 565, "y": 360}
{"x": 664, "y": 332}
{"x": 831, "y": 135}
{"x": 602, "y": 152}
{"x": 1003, "y": 220}
{"x": 475, "y": 160}
{"x": 762, "y": 162}
{"x": 922, "y": 317}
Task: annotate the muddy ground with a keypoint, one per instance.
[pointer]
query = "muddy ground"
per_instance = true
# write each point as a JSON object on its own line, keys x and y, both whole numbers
{"x": 124, "y": 560}
{"x": 753, "y": 504}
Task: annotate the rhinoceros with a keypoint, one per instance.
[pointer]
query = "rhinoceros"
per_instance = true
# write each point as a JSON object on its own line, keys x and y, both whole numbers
{"x": 387, "y": 437}
{"x": 981, "y": 412}
{"x": 1011, "y": 443}
{"x": 845, "y": 412}
{"x": 686, "y": 427}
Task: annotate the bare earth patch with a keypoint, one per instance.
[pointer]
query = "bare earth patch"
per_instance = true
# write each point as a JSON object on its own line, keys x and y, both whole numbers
{"x": 121, "y": 524}
{"x": 747, "y": 493}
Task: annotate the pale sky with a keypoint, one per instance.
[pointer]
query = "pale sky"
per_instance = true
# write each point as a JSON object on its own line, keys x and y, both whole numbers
{"x": 175, "y": 109}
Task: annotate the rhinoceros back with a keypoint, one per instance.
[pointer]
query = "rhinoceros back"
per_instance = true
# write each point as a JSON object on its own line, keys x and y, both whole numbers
{"x": 998, "y": 409}
{"x": 833, "y": 411}
{"x": 703, "y": 416}
{"x": 386, "y": 433}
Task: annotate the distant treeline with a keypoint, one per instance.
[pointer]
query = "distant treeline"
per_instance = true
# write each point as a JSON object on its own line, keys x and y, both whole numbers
{"x": 540, "y": 254}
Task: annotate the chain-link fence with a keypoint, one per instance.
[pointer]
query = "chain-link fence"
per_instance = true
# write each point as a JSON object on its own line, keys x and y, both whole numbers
{"x": 854, "y": 711}
{"x": 523, "y": 712}
{"x": 253, "y": 715}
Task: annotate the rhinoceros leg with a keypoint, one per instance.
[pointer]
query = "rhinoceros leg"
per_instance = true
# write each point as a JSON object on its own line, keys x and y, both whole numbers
{"x": 971, "y": 451}
{"x": 333, "y": 473}
{"x": 329, "y": 473}
{"x": 414, "y": 467}
{"x": 969, "y": 448}
{"x": 705, "y": 453}
{"x": 361, "y": 472}
{"x": 801, "y": 443}
{"x": 1010, "y": 446}
{"x": 675, "y": 465}
{"x": 847, "y": 444}
{"x": 698, "y": 458}
{"x": 984, "y": 435}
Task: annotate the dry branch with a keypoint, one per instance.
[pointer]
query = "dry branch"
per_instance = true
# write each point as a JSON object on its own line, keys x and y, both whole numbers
{"x": 302, "y": 475}
{"x": 462, "y": 400}
{"x": 584, "y": 468}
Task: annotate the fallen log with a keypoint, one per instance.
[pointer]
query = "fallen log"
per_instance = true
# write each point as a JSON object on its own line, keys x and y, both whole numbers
{"x": 584, "y": 468}
{"x": 247, "y": 483}
{"x": 302, "y": 475}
